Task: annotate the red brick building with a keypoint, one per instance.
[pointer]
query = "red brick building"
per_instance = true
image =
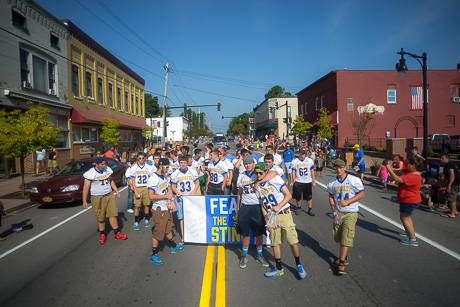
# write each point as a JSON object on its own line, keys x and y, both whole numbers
{"x": 343, "y": 91}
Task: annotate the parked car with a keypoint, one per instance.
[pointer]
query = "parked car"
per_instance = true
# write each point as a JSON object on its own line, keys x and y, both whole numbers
{"x": 67, "y": 185}
{"x": 443, "y": 143}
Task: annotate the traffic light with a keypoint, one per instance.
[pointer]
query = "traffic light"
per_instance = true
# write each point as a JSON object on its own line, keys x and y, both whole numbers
{"x": 276, "y": 104}
{"x": 167, "y": 123}
{"x": 222, "y": 117}
{"x": 285, "y": 120}
{"x": 185, "y": 109}
{"x": 218, "y": 106}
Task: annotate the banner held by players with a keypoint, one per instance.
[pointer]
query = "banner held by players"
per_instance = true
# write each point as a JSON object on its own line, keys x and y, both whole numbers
{"x": 210, "y": 220}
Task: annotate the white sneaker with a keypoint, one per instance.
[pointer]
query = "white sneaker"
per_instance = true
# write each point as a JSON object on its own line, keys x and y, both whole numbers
{"x": 130, "y": 211}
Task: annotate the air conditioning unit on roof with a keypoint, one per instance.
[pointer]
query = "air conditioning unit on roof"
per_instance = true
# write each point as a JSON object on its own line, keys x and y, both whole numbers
{"x": 456, "y": 99}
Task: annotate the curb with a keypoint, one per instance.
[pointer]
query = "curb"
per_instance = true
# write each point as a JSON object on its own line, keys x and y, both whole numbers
{"x": 18, "y": 207}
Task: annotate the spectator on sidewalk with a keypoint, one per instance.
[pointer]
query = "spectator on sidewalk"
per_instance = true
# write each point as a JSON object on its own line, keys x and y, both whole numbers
{"x": 452, "y": 174}
{"x": 409, "y": 185}
{"x": 40, "y": 161}
{"x": 415, "y": 154}
{"x": 382, "y": 173}
{"x": 398, "y": 164}
{"x": 52, "y": 161}
{"x": 359, "y": 162}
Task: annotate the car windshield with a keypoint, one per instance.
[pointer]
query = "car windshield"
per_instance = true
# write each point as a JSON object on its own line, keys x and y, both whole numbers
{"x": 218, "y": 139}
{"x": 75, "y": 168}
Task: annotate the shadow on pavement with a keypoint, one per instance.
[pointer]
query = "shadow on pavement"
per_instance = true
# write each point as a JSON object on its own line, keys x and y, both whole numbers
{"x": 377, "y": 229}
{"x": 307, "y": 241}
{"x": 60, "y": 206}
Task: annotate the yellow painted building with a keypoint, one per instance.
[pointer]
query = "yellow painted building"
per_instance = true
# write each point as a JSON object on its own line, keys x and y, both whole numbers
{"x": 101, "y": 87}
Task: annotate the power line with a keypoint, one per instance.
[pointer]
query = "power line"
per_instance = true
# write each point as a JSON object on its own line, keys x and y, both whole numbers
{"x": 109, "y": 11}
{"x": 121, "y": 35}
{"x": 216, "y": 94}
{"x": 66, "y": 58}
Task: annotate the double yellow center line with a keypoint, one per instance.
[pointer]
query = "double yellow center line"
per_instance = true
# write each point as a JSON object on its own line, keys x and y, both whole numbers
{"x": 208, "y": 276}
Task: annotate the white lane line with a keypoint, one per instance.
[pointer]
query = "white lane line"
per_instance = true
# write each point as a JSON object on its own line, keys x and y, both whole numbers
{"x": 47, "y": 231}
{"x": 398, "y": 225}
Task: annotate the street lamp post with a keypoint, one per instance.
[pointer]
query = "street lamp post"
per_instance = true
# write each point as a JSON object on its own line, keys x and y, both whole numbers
{"x": 402, "y": 67}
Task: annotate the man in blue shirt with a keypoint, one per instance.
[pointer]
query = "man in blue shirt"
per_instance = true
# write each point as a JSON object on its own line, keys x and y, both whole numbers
{"x": 288, "y": 156}
{"x": 360, "y": 165}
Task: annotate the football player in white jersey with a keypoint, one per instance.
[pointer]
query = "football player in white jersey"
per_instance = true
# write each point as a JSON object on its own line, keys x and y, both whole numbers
{"x": 274, "y": 196}
{"x": 345, "y": 192}
{"x": 277, "y": 159}
{"x": 161, "y": 196}
{"x": 184, "y": 181}
{"x": 250, "y": 219}
{"x": 140, "y": 173}
{"x": 198, "y": 165}
{"x": 230, "y": 168}
{"x": 217, "y": 179}
{"x": 303, "y": 178}
{"x": 103, "y": 191}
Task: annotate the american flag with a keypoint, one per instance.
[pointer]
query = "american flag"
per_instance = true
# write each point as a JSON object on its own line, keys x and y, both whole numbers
{"x": 416, "y": 94}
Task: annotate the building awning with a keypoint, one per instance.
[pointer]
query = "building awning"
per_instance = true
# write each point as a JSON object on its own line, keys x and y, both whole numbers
{"x": 86, "y": 115}
{"x": 267, "y": 126}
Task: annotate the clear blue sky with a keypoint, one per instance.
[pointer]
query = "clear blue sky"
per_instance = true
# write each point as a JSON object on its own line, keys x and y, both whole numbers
{"x": 214, "y": 45}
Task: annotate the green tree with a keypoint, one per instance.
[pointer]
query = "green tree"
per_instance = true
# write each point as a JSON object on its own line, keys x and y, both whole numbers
{"x": 300, "y": 127}
{"x": 325, "y": 128}
{"x": 22, "y": 133}
{"x": 152, "y": 109}
{"x": 111, "y": 132}
{"x": 276, "y": 92}
{"x": 240, "y": 124}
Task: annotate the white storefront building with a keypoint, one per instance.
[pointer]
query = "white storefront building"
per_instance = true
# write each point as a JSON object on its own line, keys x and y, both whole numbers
{"x": 174, "y": 130}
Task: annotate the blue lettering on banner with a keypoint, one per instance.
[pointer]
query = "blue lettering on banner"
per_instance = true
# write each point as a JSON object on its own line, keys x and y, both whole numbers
{"x": 220, "y": 211}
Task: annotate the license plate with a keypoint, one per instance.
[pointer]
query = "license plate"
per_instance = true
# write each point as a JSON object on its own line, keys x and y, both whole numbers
{"x": 47, "y": 199}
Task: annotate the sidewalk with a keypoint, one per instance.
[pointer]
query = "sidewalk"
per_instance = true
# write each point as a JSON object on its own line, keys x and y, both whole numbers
{"x": 11, "y": 192}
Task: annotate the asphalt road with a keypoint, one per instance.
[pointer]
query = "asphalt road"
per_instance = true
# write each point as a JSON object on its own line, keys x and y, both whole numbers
{"x": 67, "y": 267}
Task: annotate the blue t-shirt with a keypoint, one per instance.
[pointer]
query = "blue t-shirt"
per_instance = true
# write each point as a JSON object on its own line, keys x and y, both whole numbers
{"x": 288, "y": 155}
{"x": 358, "y": 155}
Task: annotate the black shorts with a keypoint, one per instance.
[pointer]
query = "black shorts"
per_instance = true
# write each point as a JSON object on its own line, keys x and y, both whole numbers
{"x": 250, "y": 220}
{"x": 215, "y": 189}
{"x": 302, "y": 190}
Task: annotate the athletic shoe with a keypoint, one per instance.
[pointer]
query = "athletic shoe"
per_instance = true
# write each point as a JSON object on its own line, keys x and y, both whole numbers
{"x": 102, "y": 238}
{"x": 156, "y": 259}
{"x": 243, "y": 262}
{"x": 136, "y": 226}
{"x": 173, "y": 250}
{"x": 130, "y": 211}
{"x": 404, "y": 235}
{"x": 146, "y": 223}
{"x": 262, "y": 261}
{"x": 274, "y": 272}
{"x": 310, "y": 213}
{"x": 180, "y": 246}
{"x": 301, "y": 271}
{"x": 120, "y": 236}
{"x": 408, "y": 242}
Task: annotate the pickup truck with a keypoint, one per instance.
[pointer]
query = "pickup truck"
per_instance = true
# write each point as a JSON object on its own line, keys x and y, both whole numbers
{"x": 443, "y": 143}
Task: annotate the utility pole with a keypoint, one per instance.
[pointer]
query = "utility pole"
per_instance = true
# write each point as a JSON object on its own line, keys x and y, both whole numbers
{"x": 165, "y": 105}
{"x": 287, "y": 121}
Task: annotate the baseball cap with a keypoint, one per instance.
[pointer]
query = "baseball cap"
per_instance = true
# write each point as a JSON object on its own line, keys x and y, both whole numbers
{"x": 260, "y": 166}
{"x": 248, "y": 160}
{"x": 99, "y": 160}
{"x": 356, "y": 146}
{"x": 339, "y": 163}
{"x": 163, "y": 162}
